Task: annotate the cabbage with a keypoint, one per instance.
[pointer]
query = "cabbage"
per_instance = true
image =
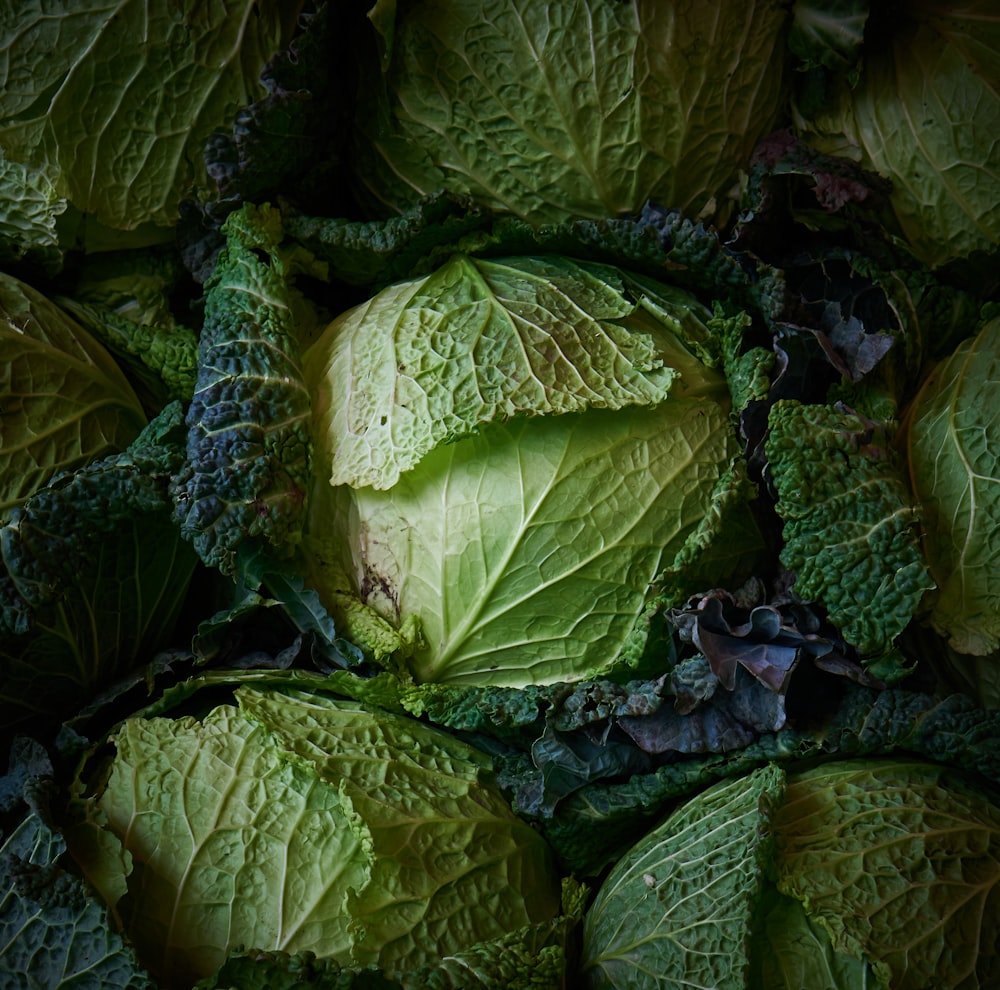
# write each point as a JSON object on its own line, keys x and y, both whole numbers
{"x": 585, "y": 108}
{"x": 952, "y": 442}
{"x": 65, "y": 401}
{"x": 854, "y": 873}
{"x": 508, "y": 455}
{"x": 925, "y": 114}
{"x": 296, "y": 822}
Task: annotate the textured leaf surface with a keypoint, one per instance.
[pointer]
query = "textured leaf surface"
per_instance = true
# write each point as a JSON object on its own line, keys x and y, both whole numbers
{"x": 298, "y": 823}
{"x": 453, "y": 865}
{"x": 850, "y": 528}
{"x": 676, "y": 911}
{"x": 587, "y": 108}
{"x": 900, "y": 863}
{"x": 230, "y": 844}
{"x": 54, "y": 934}
{"x": 248, "y": 423}
{"x": 92, "y": 576}
{"x": 63, "y": 401}
{"x": 478, "y": 341}
{"x": 955, "y": 472}
{"x": 555, "y": 529}
{"x": 114, "y": 99}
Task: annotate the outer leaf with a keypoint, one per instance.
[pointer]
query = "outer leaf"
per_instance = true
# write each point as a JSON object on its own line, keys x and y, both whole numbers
{"x": 586, "y": 109}
{"x": 677, "y": 910}
{"x": 431, "y": 360}
{"x": 795, "y": 951}
{"x": 850, "y": 528}
{"x": 92, "y": 575}
{"x": 248, "y": 423}
{"x": 63, "y": 401}
{"x": 925, "y": 115}
{"x": 128, "y": 91}
{"x": 452, "y": 865}
{"x": 229, "y": 844}
{"x": 28, "y": 215}
{"x": 952, "y": 446}
{"x": 899, "y": 862}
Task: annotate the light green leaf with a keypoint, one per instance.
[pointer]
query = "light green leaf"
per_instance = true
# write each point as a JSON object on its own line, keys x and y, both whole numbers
{"x": 452, "y": 864}
{"x": 556, "y": 529}
{"x": 229, "y": 844}
{"x": 677, "y": 910}
{"x": 299, "y": 823}
{"x": 29, "y": 208}
{"x": 431, "y": 360}
{"x": 114, "y": 100}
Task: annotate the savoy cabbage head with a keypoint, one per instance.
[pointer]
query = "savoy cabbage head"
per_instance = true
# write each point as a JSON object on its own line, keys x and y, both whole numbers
{"x": 510, "y": 457}
{"x": 292, "y": 821}
{"x": 585, "y": 108}
{"x": 865, "y": 873}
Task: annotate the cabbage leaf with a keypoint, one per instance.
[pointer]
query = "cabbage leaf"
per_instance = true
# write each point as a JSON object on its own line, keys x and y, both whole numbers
{"x": 63, "y": 400}
{"x": 952, "y": 445}
{"x": 297, "y": 822}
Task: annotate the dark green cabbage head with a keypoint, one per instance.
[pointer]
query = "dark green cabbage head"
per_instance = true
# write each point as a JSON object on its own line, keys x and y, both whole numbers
{"x": 579, "y": 108}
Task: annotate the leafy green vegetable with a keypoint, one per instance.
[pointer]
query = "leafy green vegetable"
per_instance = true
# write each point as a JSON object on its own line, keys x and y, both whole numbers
{"x": 248, "y": 443}
{"x": 951, "y": 444}
{"x": 92, "y": 577}
{"x": 928, "y": 843}
{"x": 63, "y": 400}
{"x": 509, "y": 454}
{"x": 924, "y": 115}
{"x": 113, "y": 109}
{"x": 587, "y": 108}
{"x": 298, "y": 822}
{"x": 676, "y": 910}
{"x": 53, "y": 934}
{"x": 850, "y": 527}
{"x": 890, "y": 872}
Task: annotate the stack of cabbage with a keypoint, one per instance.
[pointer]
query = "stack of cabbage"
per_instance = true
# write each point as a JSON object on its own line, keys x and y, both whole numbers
{"x": 564, "y": 551}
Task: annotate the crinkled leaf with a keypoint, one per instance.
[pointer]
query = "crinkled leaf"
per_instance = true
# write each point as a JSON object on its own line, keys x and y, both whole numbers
{"x": 924, "y": 115}
{"x": 92, "y": 576}
{"x": 63, "y": 400}
{"x": 677, "y": 909}
{"x": 587, "y": 110}
{"x": 953, "y": 470}
{"x": 248, "y": 424}
{"x": 507, "y": 586}
{"x": 114, "y": 101}
{"x": 432, "y": 360}
{"x": 28, "y": 215}
{"x": 850, "y": 527}
{"x": 441, "y": 836}
{"x": 54, "y": 933}
{"x": 927, "y": 842}
{"x": 794, "y": 950}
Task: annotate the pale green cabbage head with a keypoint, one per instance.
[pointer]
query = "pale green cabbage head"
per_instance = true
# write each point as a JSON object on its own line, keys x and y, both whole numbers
{"x": 578, "y": 108}
{"x": 295, "y": 822}
{"x": 508, "y": 455}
